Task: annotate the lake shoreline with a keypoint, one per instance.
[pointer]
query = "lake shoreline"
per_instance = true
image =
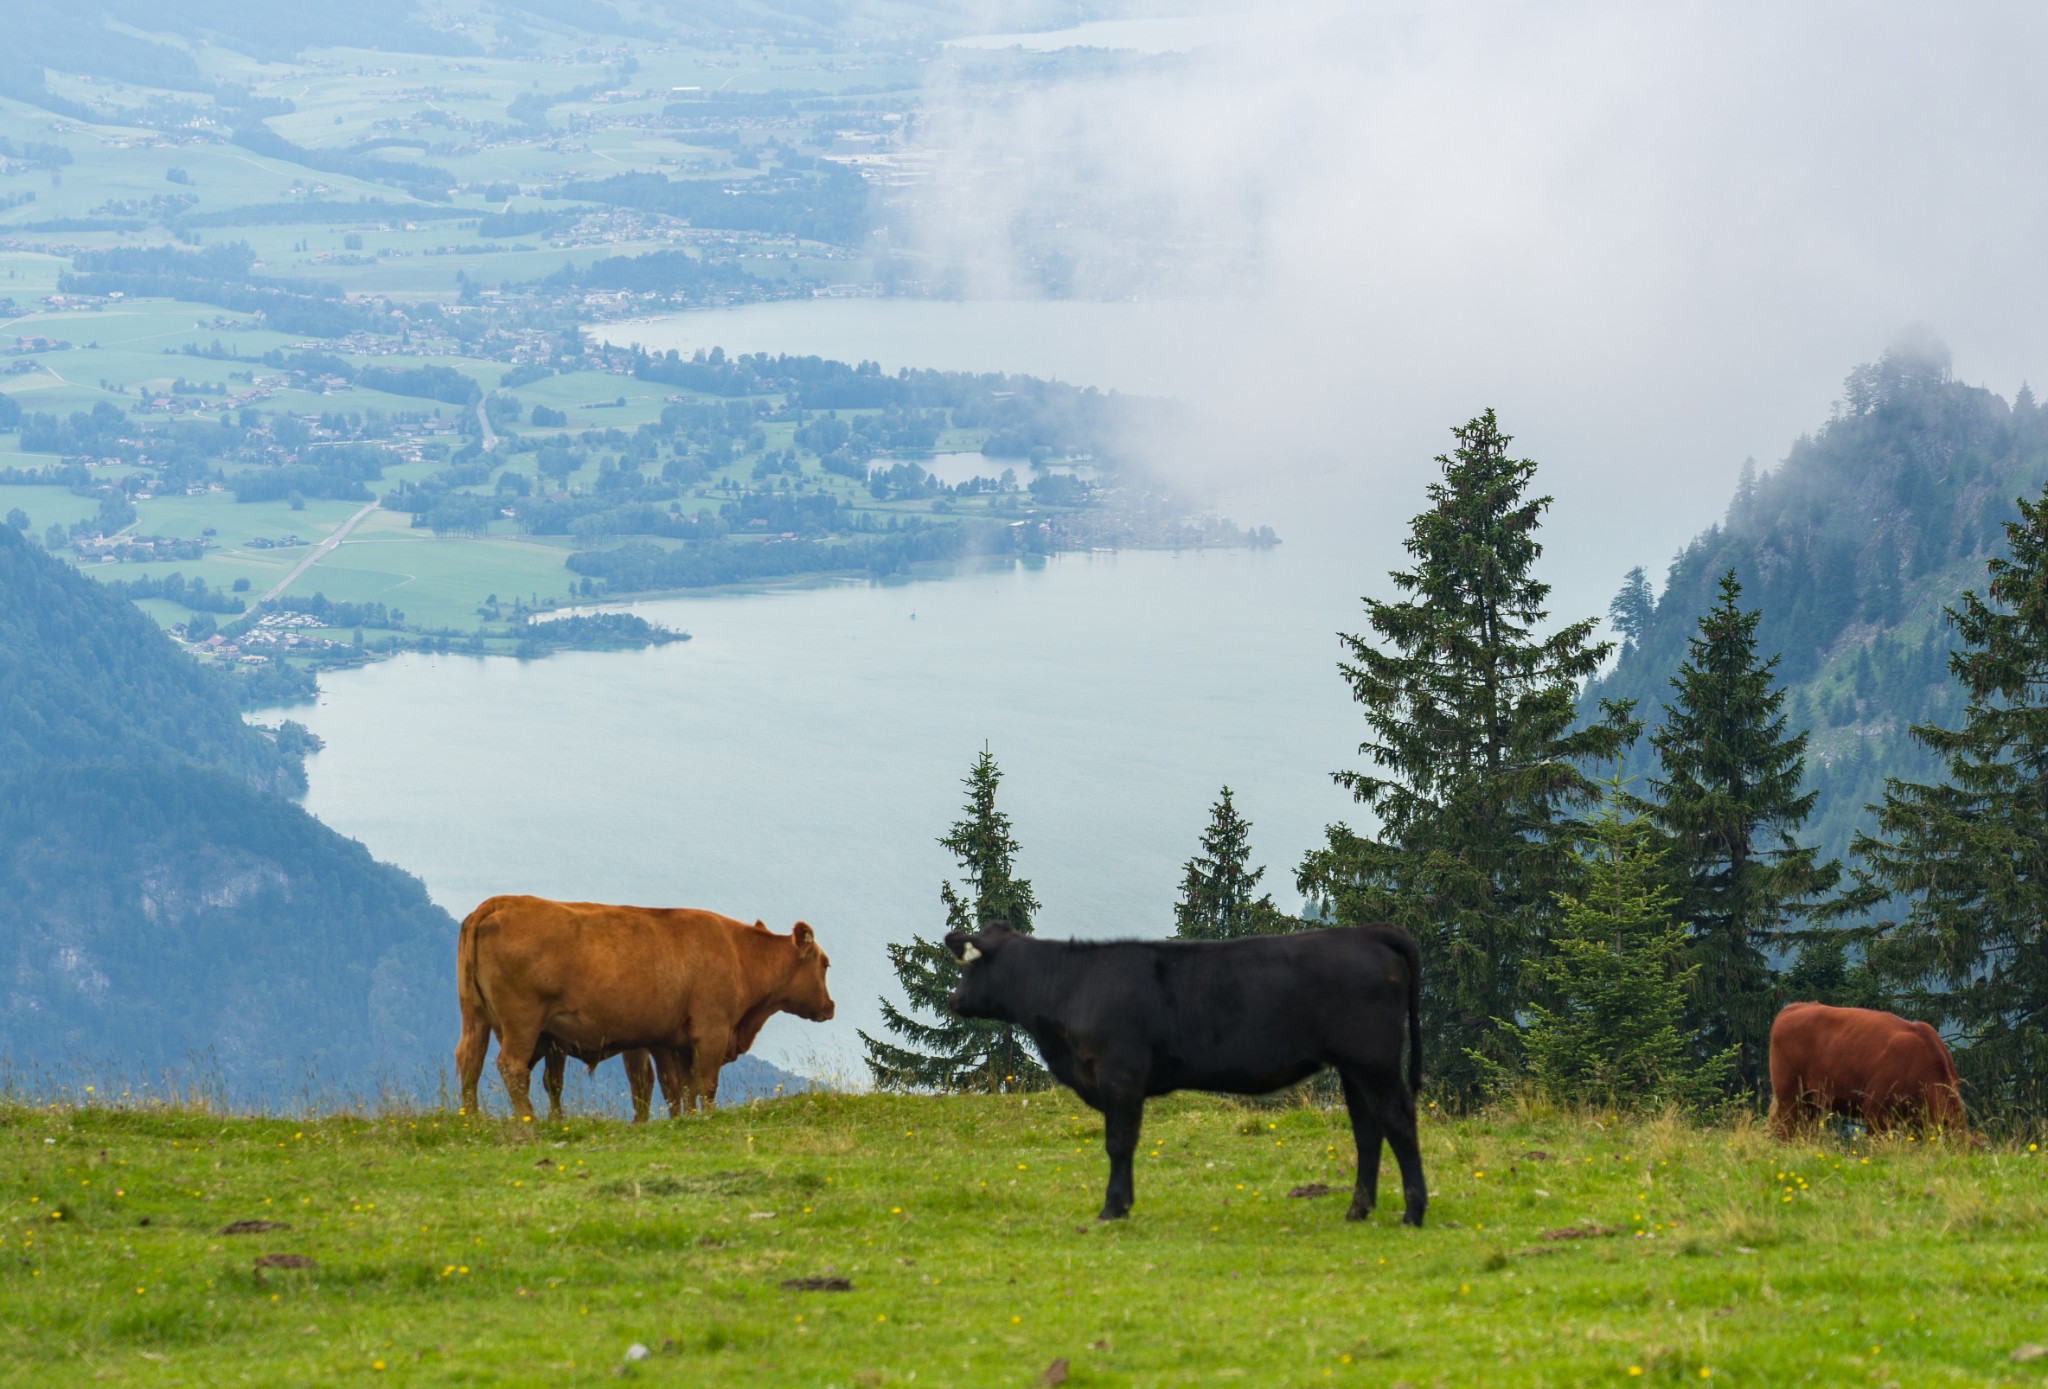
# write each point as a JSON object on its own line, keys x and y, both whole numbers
{"x": 933, "y": 571}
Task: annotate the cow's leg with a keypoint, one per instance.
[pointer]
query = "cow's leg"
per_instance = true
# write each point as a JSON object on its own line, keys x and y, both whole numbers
{"x": 640, "y": 1080}
{"x": 554, "y": 1065}
{"x": 1365, "y": 1131}
{"x": 707, "y": 1054}
{"x": 1397, "y": 1120}
{"x": 1123, "y": 1112}
{"x": 517, "y": 1046}
{"x": 669, "y": 1067}
{"x": 1784, "y": 1109}
{"x": 470, "y": 1050}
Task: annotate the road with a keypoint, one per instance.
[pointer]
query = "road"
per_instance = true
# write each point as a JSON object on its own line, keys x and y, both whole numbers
{"x": 490, "y": 435}
{"x": 340, "y": 534}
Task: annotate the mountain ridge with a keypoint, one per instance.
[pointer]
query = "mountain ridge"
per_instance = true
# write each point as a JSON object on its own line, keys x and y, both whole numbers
{"x": 1852, "y": 548}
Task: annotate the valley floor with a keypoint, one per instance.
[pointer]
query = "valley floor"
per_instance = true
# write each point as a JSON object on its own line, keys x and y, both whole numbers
{"x": 434, "y": 1248}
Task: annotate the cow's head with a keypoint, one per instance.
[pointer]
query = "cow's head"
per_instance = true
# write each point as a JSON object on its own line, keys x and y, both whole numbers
{"x": 805, "y": 994}
{"x": 981, "y": 970}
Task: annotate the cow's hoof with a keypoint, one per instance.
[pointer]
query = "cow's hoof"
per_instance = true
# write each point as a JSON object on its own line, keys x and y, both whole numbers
{"x": 1414, "y": 1220}
{"x": 1108, "y": 1214}
{"x": 1359, "y": 1213}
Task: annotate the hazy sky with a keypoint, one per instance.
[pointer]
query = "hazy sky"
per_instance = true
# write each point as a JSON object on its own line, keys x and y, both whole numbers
{"x": 1655, "y": 237}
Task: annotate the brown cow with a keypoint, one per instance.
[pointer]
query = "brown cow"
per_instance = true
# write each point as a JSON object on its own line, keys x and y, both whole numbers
{"x": 1861, "y": 1064}
{"x": 593, "y": 981}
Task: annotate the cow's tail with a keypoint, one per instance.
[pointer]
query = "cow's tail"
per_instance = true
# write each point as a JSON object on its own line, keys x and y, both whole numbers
{"x": 475, "y": 1041}
{"x": 1411, "y": 952}
{"x": 469, "y": 991}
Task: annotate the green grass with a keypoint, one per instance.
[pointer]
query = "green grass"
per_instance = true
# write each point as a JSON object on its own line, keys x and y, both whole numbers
{"x": 45, "y": 506}
{"x": 437, "y": 581}
{"x": 452, "y": 1250}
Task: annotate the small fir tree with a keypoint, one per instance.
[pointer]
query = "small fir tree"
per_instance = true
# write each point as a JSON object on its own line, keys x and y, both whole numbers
{"x": 1475, "y": 747}
{"x": 1216, "y": 901}
{"x": 1611, "y": 1027}
{"x": 1729, "y": 801}
{"x": 1968, "y": 858}
{"x": 1825, "y": 972}
{"x": 953, "y": 1053}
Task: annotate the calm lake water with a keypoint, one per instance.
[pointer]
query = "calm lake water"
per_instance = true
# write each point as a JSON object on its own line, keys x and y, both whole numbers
{"x": 801, "y": 755}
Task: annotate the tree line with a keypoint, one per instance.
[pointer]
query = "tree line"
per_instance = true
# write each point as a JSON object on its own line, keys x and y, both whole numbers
{"x": 1603, "y": 938}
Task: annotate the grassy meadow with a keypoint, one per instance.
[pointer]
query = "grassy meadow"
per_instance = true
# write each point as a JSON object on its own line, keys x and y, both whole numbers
{"x": 434, "y": 1248}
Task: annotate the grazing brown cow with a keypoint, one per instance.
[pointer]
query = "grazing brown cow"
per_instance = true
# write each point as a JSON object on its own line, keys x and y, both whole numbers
{"x": 592, "y": 981}
{"x": 1861, "y": 1064}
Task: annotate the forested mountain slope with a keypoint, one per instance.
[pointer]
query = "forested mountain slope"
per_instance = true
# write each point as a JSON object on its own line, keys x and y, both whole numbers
{"x": 85, "y": 675}
{"x": 1851, "y": 548}
{"x": 165, "y": 908}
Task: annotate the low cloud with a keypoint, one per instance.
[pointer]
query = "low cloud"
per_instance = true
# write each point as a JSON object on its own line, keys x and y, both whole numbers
{"x": 1654, "y": 237}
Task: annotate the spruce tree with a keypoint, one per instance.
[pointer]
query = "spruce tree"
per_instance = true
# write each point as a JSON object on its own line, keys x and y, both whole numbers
{"x": 1610, "y": 1029}
{"x": 952, "y": 1053}
{"x": 1729, "y": 800}
{"x": 1632, "y": 608}
{"x": 1968, "y": 858}
{"x": 1216, "y": 901}
{"x": 1474, "y": 749}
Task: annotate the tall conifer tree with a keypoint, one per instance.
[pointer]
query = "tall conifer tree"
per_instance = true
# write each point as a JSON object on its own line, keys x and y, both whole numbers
{"x": 1969, "y": 856}
{"x": 952, "y": 1053}
{"x": 1216, "y": 901}
{"x": 1729, "y": 801}
{"x": 1475, "y": 750}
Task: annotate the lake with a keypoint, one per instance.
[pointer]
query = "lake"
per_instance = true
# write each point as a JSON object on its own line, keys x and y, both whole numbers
{"x": 801, "y": 755}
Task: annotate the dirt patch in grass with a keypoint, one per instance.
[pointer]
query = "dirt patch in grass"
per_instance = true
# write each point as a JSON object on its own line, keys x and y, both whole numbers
{"x": 1581, "y": 1232}
{"x": 718, "y": 1185}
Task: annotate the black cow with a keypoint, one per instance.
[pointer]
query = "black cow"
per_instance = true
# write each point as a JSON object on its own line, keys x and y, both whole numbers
{"x": 1121, "y": 1020}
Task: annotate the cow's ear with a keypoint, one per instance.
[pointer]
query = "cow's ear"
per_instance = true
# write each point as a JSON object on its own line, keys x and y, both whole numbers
{"x": 806, "y": 939}
{"x": 956, "y": 941}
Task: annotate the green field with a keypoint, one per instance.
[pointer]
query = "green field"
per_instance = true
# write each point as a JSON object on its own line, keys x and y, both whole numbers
{"x": 450, "y": 1250}
{"x": 438, "y": 581}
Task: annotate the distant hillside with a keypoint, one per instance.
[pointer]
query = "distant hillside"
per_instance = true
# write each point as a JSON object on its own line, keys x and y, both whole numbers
{"x": 86, "y": 676}
{"x": 1851, "y": 548}
{"x": 166, "y": 909}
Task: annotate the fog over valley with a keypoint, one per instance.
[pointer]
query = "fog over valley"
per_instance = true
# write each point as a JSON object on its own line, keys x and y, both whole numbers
{"x": 1654, "y": 238}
